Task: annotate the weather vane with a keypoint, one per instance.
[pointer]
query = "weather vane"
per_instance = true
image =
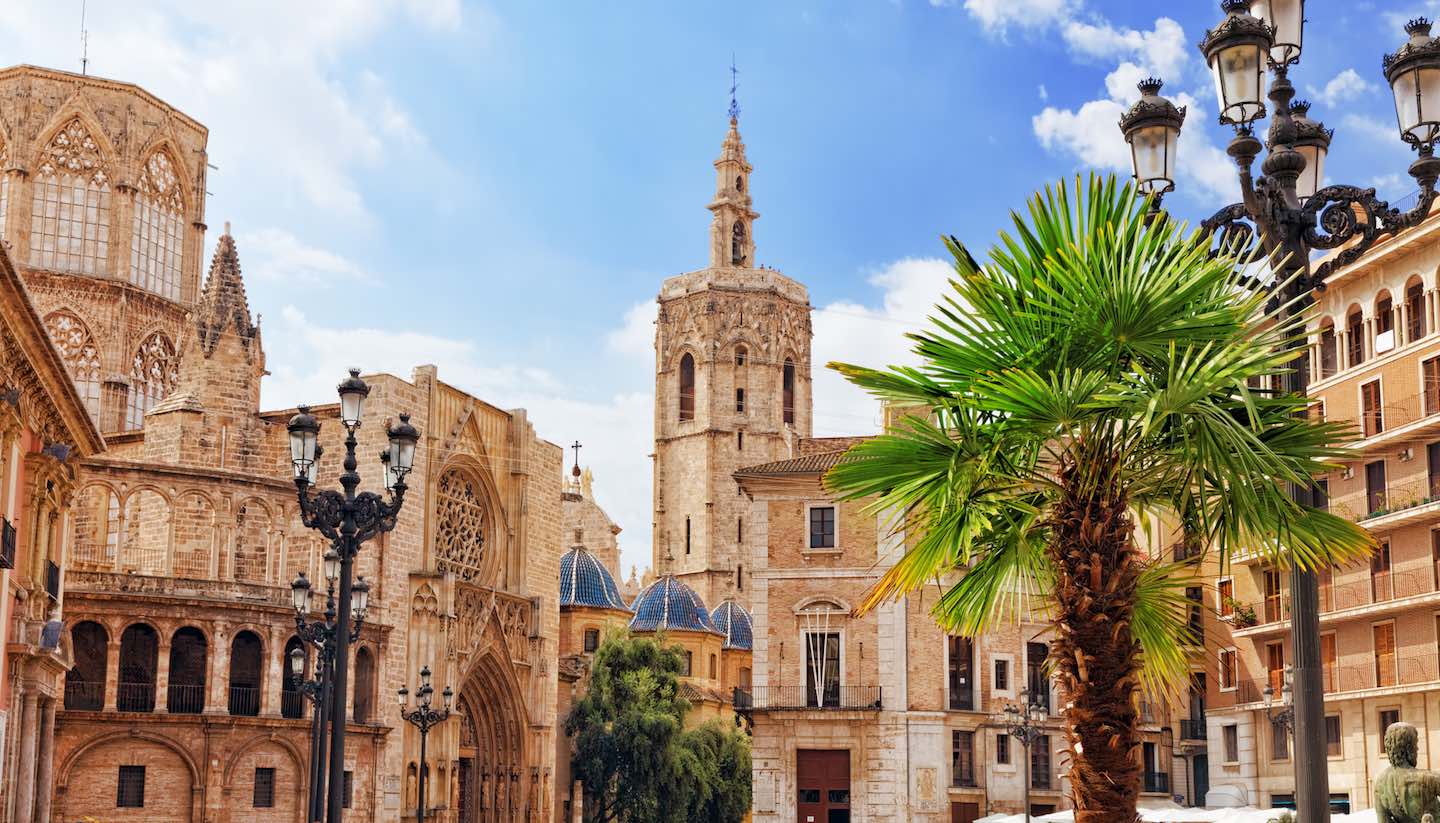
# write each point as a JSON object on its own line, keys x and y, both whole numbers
{"x": 734, "y": 84}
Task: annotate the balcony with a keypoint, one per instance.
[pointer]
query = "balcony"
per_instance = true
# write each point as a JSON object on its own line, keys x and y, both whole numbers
{"x": 84, "y": 695}
{"x": 292, "y": 704}
{"x": 245, "y": 700}
{"x": 7, "y": 545}
{"x": 135, "y": 697}
{"x": 1413, "y": 417}
{"x": 963, "y": 776}
{"x": 1405, "y": 672}
{"x": 1192, "y": 729}
{"x": 800, "y": 698}
{"x": 1040, "y": 777}
{"x": 1378, "y": 594}
{"x": 1157, "y": 783}
{"x": 185, "y": 698}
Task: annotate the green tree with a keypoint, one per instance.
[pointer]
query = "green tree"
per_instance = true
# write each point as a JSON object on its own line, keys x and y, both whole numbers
{"x": 632, "y": 753}
{"x": 1094, "y": 378}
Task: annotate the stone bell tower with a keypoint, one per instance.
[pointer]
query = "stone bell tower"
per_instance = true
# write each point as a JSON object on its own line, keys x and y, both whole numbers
{"x": 732, "y": 389}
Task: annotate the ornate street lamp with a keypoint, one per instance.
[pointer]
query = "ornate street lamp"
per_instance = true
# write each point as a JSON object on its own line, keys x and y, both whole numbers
{"x": 1284, "y": 717}
{"x": 319, "y": 634}
{"x": 424, "y": 718}
{"x": 1152, "y": 128}
{"x": 347, "y": 519}
{"x": 1025, "y": 722}
{"x": 1291, "y": 213}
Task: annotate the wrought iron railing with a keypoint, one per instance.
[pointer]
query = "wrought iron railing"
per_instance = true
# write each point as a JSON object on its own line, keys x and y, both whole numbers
{"x": 84, "y": 695}
{"x": 135, "y": 697}
{"x": 1157, "y": 782}
{"x": 245, "y": 700}
{"x": 963, "y": 776}
{"x": 781, "y": 698}
{"x": 292, "y": 704}
{"x": 185, "y": 698}
{"x": 1192, "y": 729}
{"x": 1385, "y": 672}
{"x": 7, "y": 545}
{"x": 1040, "y": 777}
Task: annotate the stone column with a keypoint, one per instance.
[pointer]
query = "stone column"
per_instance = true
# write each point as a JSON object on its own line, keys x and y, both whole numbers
{"x": 162, "y": 675}
{"x": 24, "y": 781}
{"x": 270, "y": 684}
{"x": 44, "y": 781}
{"x": 217, "y": 679}
{"x": 112, "y": 674}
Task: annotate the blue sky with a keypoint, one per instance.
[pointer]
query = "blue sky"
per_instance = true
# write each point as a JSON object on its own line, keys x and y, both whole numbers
{"x": 500, "y": 188}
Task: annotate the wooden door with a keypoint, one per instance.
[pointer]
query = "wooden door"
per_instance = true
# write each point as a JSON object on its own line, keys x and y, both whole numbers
{"x": 1385, "y": 654}
{"x": 964, "y": 812}
{"x": 823, "y": 783}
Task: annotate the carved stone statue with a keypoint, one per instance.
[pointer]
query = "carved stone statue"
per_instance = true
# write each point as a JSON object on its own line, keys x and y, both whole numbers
{"x": 1403, "y": 793}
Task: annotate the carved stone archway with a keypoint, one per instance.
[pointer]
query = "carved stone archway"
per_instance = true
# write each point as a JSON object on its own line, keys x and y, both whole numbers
{"x": 493, "y": 784}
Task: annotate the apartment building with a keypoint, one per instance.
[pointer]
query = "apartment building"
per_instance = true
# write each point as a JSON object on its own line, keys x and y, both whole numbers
{"x": 883, "y": 716}
{"x": 1374, "y": 362}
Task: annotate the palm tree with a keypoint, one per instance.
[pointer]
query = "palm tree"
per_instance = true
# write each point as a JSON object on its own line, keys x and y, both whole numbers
{"x": 1094, "y": 379}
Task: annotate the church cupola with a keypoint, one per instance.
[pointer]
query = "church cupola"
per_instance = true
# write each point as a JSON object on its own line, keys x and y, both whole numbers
{"x": 732, "y": 231}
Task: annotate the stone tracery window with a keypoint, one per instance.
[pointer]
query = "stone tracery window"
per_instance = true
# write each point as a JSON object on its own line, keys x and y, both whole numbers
{"x": 82, "y": 357}
{"x": 153, "y": 373}
{"x": 462, "y": 525}
{"x": 70, "y": 212}
{"x": 155, "y": 243}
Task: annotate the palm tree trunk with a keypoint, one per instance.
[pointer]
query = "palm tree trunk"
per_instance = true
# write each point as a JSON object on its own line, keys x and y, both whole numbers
{"x": 1094, "y": 655}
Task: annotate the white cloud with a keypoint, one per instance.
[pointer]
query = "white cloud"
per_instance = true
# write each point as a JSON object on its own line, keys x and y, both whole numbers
{"x": 1372, "y": 129}
{"x": 1162, "y": 51}
{"x": 851, "y": 332}
{"x": 998, "y": 16}
{"x": 636, "y": 336}
{"x": 1347, "y": 85}
{"x": 276, "y": 254}
{"x": 1044, "y": 94}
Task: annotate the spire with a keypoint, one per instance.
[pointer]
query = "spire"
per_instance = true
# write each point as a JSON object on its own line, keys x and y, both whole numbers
{"x": 732, "y": 241}
{"x": 222, "y": 301}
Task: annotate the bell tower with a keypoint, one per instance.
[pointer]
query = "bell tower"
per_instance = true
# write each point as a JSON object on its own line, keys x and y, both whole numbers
{"x": 732, "y": 389}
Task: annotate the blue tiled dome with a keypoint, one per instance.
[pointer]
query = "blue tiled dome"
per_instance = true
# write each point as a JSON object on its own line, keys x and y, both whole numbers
{"x": 731, "y": 620}
{"x": 584, "y": 581}
{"x": 669, "y": 604}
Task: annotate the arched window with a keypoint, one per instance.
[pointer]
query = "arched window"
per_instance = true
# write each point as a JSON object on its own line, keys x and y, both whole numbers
{"x": 1355, "y": 332}
{"x": 154, "y": 372}
{"x": 85, "y": 682}
{"x": 687, "y": 534}
{"x": 82, "y": 357}
{"x": 188, "y": 651}
{"x": 687, "y": 387}
{"x": 70, "y": 211}
{"x": 714, "y": 669}
{"x": 156, "y": 242}
{"x": 787, "y": 391}
{"x": 1384, "y": 323}
{"x": 139, "y": 653}
{"x": 1328, "y": 354}
{"x": 1416, "y": 326}
{"x": 245, "y": 669}
{"x": 739, "y": 183}
{"x": 363, "y": 693}
{"x": 737, "y": 243}
{"x": 741, "y": 355}
{"x": 292, "y": 700}
{"x": 462, "y": 525}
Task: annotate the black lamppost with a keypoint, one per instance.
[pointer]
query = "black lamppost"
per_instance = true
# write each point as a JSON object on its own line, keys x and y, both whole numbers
{"x": 1293, "y": 217}
{"x": 321, "y": 635}
{"x": 347, "y": 520}
{"x": 424, "y": 718}
{"x": 1025, "y": 722}
{"x": 1284, "y": 717}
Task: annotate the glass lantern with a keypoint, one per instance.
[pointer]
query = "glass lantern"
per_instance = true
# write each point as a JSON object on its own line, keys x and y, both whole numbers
{"x": 1237, "y": 52}
{"x": 1414, "y": 76}
{"x": 1312, "y": 140}
{"x": 1288, "y": 19}
{"x": 353, "y": 392}
{"x": 1152, "y": 128}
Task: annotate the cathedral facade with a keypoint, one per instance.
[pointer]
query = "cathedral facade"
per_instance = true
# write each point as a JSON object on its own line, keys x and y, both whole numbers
{"x": 185, "y": 534}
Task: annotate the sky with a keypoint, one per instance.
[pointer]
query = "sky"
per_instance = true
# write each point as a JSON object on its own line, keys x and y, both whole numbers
{"x": 500, "y": 188}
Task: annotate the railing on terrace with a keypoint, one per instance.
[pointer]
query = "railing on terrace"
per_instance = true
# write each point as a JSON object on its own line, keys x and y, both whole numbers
{"x": 292, "y": 704}
{"x": 1393, "y": 414}
{"x": 186, "y": 698}
{"x": 963, "y": 776}
{"x": 1397, "y": 496}
{"x": 1040, "y": 778}
{"x": 1157, "y": 782}
{"x": 800, "y": 698}
{"x": 1376, "y": 589}
{"x": 135, "y": 697}
{"x": 1192, "y": 729}
{"x": 1396, "y": 671}
{"x": 245, "y": 700}
{"x": 84, "y": 695}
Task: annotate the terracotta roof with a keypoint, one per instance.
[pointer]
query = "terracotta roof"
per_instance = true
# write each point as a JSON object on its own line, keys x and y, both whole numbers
{"x": 817, "y": 445}
{"x": 817, "y": 463}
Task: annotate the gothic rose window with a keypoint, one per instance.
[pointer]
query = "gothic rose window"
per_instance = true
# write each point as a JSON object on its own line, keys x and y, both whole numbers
{"x": 461, "y": 525}
{"x": 153, "y": 373}
{"x": 70, "y": 212}
{"x": 155, "y": 242}
{"x": 77, "y": 348}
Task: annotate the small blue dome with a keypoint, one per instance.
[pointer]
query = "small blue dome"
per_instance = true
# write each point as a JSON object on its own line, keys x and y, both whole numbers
{"x": 584, "y": 581}
{"x": 731, "y": 620}
{"x": 669, "y": 604}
